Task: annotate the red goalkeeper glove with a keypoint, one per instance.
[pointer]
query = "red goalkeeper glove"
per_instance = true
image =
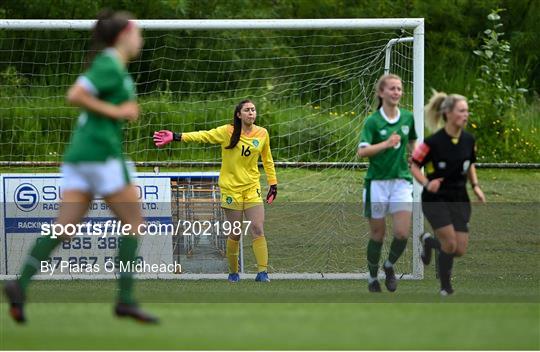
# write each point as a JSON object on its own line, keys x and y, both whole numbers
{"x": 272, "y": 193}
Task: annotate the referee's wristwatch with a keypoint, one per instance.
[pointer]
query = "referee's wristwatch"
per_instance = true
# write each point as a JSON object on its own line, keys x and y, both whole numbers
{"x": 474, "y": 185}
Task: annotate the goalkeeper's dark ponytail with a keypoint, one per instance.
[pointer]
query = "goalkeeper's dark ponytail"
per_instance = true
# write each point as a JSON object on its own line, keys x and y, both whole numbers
{"x": 237, "y": 123}
{"x": 106, "y": 30}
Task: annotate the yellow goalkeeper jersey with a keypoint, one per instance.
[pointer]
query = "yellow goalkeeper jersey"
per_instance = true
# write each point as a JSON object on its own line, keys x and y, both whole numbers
{"x": 239, "y": 166}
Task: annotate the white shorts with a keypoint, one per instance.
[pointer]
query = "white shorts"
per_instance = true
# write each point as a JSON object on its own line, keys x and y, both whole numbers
{"x": 382, "y": 197}
{"x": 98, "y": 178}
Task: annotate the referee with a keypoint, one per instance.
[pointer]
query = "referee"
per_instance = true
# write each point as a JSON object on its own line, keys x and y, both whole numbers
{"x": 448, "y": 156}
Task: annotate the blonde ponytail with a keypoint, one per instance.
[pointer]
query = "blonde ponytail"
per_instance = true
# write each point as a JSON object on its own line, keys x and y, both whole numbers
{"x": 433, "y": 112}
{"x": 438, "y": 106}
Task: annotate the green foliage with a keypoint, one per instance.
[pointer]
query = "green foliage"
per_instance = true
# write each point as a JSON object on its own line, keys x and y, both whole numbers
{"x": 39, "y": 128}
{"x": 452, "y": 28}
{"x": 451, "y": 25}
{"x": 11, "y": 80}
{"x": 497, "y": 99}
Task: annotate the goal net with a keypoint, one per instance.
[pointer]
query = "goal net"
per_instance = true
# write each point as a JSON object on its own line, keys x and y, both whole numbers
{"x": 312, "y": 82}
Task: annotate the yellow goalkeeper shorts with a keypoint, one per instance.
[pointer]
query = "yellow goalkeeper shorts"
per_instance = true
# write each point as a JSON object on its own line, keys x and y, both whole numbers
{"x": 241, "y": 200}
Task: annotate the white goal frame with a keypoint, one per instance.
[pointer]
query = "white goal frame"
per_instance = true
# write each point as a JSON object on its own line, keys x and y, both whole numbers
{"x": 415, "y": 24}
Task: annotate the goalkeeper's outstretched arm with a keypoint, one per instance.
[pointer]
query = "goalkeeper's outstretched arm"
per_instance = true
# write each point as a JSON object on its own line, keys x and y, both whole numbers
{"x": 213, "y": 136}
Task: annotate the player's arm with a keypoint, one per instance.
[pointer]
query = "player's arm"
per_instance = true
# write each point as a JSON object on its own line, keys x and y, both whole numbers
{"x": 410, "y": 149}
{"x": 366, "y": 149}
{"x": 473, "y": 178}
{"x": 418, "y": 175}
{"x": 78, "y": 95}
{"x": 420, "y": 157}
{"x": 213, "y": 136}
{"x": 411, "y": 146}
{"x": 269, "y": 169}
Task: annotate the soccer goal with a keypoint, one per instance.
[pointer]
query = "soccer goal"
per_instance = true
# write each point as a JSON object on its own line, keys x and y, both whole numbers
{"x": 312, "y": 81}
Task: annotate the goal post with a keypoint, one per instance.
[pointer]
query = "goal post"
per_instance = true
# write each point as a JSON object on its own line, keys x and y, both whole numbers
{"x": 311, "y": 79}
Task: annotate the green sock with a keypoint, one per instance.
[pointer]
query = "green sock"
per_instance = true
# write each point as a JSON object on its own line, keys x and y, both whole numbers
{"x": 127, "y": 252}
{"x": 396, "y": 249}
{"x": 41, "y": 251}
{"x": 373, "y": 256}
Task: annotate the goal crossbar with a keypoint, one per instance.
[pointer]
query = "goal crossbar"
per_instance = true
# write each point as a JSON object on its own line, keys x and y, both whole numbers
{"x": 293, "y": 24}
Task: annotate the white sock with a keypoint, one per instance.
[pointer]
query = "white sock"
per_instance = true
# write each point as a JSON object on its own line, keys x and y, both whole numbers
{"x": 371, "y": 279}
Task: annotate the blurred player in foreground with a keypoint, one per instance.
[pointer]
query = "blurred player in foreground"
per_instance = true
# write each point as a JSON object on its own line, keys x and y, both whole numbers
{"x": 93, "y": 162}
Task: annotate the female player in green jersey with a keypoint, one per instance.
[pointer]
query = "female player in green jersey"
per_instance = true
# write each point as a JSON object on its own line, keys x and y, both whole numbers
{"x": 385, "y": 137}
{"x": 242, "y": 144}
{"x": 93, "y": 162}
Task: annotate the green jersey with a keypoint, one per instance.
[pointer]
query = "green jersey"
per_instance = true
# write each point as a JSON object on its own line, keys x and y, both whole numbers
{"x": 97, "y": 137}
{"x": 390, "y": 163}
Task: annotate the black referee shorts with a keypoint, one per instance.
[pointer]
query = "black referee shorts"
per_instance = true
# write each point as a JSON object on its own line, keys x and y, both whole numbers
{"x": 447, "y": 209}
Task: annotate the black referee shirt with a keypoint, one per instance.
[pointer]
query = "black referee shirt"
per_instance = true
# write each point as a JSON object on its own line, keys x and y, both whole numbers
{"x": 448, "y": 157}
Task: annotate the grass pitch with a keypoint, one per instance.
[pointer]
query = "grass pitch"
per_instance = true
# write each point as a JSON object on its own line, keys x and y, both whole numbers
{"x": 239, "y": 326}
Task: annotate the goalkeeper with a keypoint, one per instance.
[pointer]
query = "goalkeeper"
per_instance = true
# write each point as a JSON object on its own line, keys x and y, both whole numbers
{"x": 93, "y": 162}
{"x": 242, "y": 143}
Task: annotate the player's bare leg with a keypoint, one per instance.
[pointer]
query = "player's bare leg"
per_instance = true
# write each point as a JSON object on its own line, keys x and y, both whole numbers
{"x": 72, "y": 209}
{"x": 462, "y": 242}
